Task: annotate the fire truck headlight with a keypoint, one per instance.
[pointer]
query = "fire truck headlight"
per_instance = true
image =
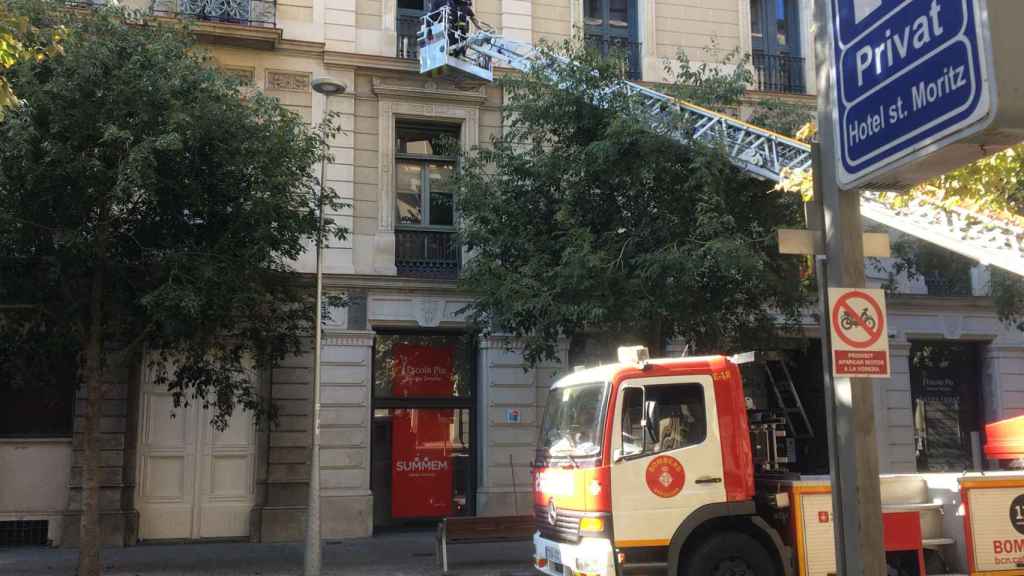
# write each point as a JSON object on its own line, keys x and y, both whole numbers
{"x": 592, "y": 525}
{"x": 590, "y": 565}
{"x": 594, "y": 557}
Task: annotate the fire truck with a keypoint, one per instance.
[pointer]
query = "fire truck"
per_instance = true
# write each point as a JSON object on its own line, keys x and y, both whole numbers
{"x": 653, "y": 466}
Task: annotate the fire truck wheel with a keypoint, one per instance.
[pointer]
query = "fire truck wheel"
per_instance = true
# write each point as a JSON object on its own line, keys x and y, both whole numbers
{"x": 729, "y": 554}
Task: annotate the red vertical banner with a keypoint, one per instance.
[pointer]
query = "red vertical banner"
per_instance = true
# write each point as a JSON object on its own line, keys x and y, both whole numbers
{"x": 422, "y": 370}
{"x": 421, "y": 463}
{"x": 421, "y": 449}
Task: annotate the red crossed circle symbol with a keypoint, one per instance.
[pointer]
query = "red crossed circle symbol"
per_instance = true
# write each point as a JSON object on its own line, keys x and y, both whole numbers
{"x": 873, "y": 332}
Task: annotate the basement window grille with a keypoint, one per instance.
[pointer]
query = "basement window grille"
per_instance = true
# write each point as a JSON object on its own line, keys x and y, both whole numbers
{"x": 23, "y": 533}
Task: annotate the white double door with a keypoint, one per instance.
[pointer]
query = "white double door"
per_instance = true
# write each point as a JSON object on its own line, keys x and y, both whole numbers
{"x": 193, "y": 481}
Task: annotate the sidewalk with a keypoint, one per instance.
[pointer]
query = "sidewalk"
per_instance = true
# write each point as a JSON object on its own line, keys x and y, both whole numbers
{"x": 405, "y": 554}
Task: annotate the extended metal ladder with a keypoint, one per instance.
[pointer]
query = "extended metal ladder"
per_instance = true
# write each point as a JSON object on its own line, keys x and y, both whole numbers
{"x": 986, "y": 238}
{"x": 780, "y": 383}
{"x": 792, "y": 409}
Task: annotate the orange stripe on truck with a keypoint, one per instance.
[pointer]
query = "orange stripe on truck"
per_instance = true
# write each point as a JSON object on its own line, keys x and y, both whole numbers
{"x": 640, "y": 543}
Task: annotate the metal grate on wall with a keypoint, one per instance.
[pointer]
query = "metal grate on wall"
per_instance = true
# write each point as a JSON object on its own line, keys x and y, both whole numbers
{"x": 23, "y": 533}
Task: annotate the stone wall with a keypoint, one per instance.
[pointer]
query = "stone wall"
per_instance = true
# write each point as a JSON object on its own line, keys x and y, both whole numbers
{"x": 507, "y": 448}
{"x": 118, "y": 425}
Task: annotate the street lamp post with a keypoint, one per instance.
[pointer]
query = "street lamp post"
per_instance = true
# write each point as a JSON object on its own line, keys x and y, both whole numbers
{"x": 311, "y": 563}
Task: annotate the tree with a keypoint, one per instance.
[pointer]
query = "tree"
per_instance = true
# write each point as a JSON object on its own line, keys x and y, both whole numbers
{"x": 21, "y": 41}
{"x": 582, "y": 220}
{"x": 149, "y": 206}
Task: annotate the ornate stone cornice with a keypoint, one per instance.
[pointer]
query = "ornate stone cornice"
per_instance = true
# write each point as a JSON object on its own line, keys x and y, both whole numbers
{"x": 300, "y": 47}
{"x": 373, "y": 281}
{"x": 924, "y": 301}
{"x": 348, "y": 337}
{"x": 428, "y": 90}
{"x": 351, "y": 60}
{"x": 238, "y": 35}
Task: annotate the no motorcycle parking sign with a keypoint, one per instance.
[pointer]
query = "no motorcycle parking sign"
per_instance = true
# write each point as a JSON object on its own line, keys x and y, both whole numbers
{"x": 860, "y": 345}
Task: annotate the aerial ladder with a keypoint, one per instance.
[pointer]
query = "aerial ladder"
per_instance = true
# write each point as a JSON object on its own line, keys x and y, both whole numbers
{"x": 981, "y": 236}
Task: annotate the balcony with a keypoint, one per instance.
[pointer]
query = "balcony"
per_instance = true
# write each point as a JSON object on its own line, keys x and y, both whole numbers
{"x": 407, "y": 25}
{"x": 948, "y": 282}
{"x": 611, "y": 46}
{"x": 778, "y": 73}
{"x": 424, "y": 253}
{"x": 251, "y": 23}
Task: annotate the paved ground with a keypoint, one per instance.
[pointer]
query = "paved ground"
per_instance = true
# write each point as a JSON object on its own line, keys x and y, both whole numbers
{"x": 404, "y": 554}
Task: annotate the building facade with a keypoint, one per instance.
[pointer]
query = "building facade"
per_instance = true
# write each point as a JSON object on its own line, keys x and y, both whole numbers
{"x": 419, "y": 420}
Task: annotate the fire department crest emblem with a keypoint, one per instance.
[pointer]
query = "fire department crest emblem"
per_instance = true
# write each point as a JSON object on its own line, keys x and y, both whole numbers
{"x": 665, "y": 476}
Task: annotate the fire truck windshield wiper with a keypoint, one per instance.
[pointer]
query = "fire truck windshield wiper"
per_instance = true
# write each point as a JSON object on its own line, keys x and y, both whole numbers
{"x": 575, "y": 464}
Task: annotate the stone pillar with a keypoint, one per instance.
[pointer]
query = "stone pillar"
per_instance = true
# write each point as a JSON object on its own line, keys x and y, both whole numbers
{"x": 340, "y": 25}
{"x": 118, "y": 519}
{"x": 1003, "y": 381}
{"x": 897, "y": 451}
{"x": 346, "y": 503}
{"x": 341, "y": 175}
{"x": 283, "y": 515}
{"x": 384, "y": 240}
{"x": 517, "y": 20}
{"x": 507, "y": 447}
{"x": 651, "y": 68}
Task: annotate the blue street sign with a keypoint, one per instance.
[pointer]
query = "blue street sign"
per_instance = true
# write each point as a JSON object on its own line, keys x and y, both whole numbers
{"x": 908, "y": 74}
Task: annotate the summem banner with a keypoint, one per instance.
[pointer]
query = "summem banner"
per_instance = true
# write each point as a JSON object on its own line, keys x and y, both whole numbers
{"x": 421, "y": 463}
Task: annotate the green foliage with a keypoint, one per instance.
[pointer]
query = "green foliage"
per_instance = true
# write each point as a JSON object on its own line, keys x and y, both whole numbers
{"x": 944, "y": 273}
{"x": 1008, "y": 294}
{"x": 582, "y": 220}
{"x": 138, "y": 181}
{"x": 782, "y": 116}
{"x": 21, "y": 41}
{"x": 716, "y": 85}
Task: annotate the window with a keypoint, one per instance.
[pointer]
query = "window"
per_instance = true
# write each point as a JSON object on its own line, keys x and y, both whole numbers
{"x": 611, "y": 26}
{"x": 408, "y": 23}
{"x": 775, "y": 45}
{"x": 423, "y": 172}
{"x": 662, "y": 418}
{"x": 36, "y": 411}
{"x": 573, "y": 421}
{"x": 425, "y": 205}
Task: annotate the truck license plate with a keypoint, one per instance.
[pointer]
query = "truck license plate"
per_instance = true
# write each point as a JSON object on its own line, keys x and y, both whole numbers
{"x": 553, "y": 554}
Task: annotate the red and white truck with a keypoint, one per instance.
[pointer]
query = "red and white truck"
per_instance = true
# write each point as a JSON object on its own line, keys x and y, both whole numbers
{"x": 652, "y": 467}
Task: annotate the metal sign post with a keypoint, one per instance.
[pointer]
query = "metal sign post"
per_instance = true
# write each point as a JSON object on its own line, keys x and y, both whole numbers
{"x": 853, "y": 450}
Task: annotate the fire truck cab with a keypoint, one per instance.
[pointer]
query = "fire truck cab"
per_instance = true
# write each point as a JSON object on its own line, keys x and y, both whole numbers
{"x": 645, "y": 466}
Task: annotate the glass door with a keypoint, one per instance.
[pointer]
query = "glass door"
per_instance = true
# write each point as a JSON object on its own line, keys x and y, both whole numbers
{"x": 422, "y": 435}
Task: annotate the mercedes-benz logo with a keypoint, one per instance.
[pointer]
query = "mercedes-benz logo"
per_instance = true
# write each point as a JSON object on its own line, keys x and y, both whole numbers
{"x": 552, "y": 512}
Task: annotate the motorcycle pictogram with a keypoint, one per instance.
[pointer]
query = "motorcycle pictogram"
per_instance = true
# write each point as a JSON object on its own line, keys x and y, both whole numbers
{"x": 847, "y": 321}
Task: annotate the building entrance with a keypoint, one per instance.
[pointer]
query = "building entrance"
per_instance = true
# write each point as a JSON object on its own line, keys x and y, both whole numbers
{"x": 423, "y": 422}
{"x": 945, "y": 387}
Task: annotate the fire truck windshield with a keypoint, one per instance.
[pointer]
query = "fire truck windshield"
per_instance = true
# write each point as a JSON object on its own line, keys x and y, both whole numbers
{"x": 573, "y": 422}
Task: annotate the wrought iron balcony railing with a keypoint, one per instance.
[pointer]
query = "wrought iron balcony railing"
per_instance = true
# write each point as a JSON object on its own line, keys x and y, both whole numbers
{"x": 778, "y": 73}
{"x": 611, "y": 45}
{"x": 948, "y": 283}
{"x": 427, "y": 253}
{"x": 406, "y": 26}
{"x": 257, "y": 13}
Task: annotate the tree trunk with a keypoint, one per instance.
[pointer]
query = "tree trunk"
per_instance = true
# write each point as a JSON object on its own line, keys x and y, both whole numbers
{"x": 90, "y": 539}
{"x": 655, "y": 338}
{"x": 90, "y": 535}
